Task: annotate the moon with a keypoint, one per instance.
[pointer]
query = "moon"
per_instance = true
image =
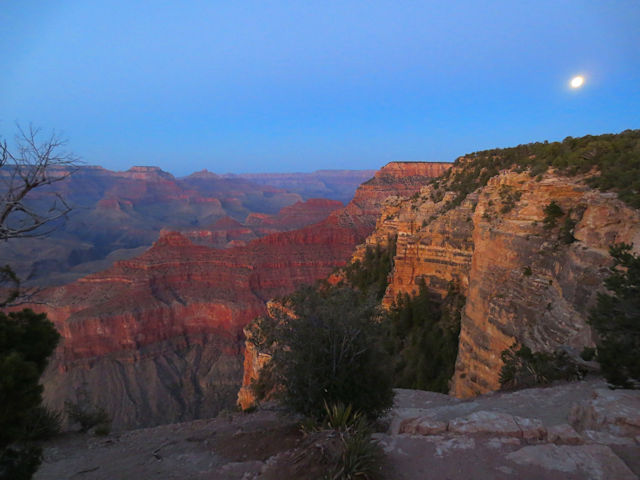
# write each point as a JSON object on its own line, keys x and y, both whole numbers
{"x": 577, "y": 81}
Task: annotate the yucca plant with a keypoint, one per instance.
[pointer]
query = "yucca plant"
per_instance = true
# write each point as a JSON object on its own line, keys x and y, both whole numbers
{"x": 359, "y": 457}
{"x": 342, "y": 417}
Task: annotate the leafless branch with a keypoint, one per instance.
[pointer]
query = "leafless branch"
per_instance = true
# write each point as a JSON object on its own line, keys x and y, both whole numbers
{"x": 35, "y": 162}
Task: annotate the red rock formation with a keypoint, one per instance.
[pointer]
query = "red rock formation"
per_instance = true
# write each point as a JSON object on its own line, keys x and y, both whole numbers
{"x": 163, "y": 329}
{"x": 359, "y": 216}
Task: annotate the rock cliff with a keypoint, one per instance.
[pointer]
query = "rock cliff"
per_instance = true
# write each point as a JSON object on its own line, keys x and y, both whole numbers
{"x": 524, "y": 282}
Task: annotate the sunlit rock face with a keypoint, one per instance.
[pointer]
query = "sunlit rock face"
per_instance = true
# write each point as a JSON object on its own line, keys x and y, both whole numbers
{"x": 159, "y": 338}
{"x": 523, "y": 282}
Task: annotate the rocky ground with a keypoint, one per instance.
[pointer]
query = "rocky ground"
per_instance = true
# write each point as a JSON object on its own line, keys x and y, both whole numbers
{"x": 571, "y": 431}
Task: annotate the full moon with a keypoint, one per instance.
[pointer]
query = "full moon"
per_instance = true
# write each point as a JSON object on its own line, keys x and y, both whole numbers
{"x": 577, "y": 82}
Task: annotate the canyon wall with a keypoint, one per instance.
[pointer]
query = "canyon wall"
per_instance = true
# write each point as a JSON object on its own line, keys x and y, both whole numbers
{"x": 523, "y": 282}
{"x": 526, "y": 284}
{"x": 159, "y": 338}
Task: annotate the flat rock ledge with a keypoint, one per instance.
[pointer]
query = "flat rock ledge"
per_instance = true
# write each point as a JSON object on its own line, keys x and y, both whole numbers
{"x": 580, "y": 430}
{"x": 571, "y": 431}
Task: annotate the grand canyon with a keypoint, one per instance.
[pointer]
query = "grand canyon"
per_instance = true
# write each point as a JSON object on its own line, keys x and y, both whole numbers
{"x": 158, "y": 336}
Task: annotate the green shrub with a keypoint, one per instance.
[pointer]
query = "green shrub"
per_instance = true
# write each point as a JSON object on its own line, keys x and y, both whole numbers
{"x": 359, "y": 457}
{"x": 523, "y": 368}
{"x": 102, "y": 429}
{"x": 341, "y": 417}
{"x": 369, "y": 276}
{"x": 330, "y": 353}
{"x": 27, "y": 340}
{"x": 19, "y": 461}
{"x": 588, "y": 354}
{"x": 552, "y": 212}
{"x": 88, "y": 416}
{"x": 44, "y": 423}
{"x": 616, "y": 318}
{"x": 422, "y": 338}
{"x": 566, "y": 232}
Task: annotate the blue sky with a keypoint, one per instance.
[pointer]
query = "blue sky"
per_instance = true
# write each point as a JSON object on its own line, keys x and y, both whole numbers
{"x": 258, "y": 86}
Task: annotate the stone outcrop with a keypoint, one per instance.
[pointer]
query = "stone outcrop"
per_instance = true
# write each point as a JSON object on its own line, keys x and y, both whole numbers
{"x": 523, "y": 282}
{"x": 569, "y": 431}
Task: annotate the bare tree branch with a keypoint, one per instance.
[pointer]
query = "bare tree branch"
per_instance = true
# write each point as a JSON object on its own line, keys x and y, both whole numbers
{"x": 38, "y": 161}
{"x": 35, "y": 162}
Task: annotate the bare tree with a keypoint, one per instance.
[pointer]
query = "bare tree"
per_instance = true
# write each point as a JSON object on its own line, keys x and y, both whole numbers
{"x": 36, "y": 161}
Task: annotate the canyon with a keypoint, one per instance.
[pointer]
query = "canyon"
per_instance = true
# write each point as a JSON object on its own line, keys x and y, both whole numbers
{"x": 528, "y": 280}
{"x": 158, "y": 338}
{"x": 117, "y": 215}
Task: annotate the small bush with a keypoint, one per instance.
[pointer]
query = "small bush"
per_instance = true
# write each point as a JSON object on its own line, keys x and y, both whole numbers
{"x": 422, "y": 338}
{"x": 566, "y": 232}
{"x": 88, "y": 416}
{"x": 329, "y": 354}
{"x": 588, "y": 354}
{"x": 44, "y": 423}
{"x": 342, "y": 417}
{"x": 523, "y": 368}
{"x": 526, "y": 271}
{"x": 102, "y": 429}
{"x": 552, "y": 212}
{"x": 360, "y": 457}
{"x": 19, "y": 461}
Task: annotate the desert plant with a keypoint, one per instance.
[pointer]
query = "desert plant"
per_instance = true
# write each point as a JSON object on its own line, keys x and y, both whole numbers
{"x": 27, "y": 340}
{"x": 422, "y": 338}
{"x": 330, "y": 353}
{"x": 88, "y": 416}
{"x": 552, "y": 212}
{"x": 341, "y": 417}
{"x": 523, "y": 368}
{"x": 360, "y": 457}
{"x": 44, "y": 423}
{"x": 566, "y": 231}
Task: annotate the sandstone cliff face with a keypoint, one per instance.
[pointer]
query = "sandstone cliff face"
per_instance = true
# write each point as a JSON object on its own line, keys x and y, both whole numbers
{"x": 399, "y": 179}
{"x": 523, "y": 283}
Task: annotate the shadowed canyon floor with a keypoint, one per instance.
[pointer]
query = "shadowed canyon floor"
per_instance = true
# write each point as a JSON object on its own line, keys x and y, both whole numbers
{"x": 571, "y": 431}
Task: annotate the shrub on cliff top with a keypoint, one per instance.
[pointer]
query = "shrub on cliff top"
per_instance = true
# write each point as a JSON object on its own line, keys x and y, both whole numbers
{"x": 611, "y": 162}
{"x": 330, "y": 353}
{"x": 616, "y": 318}
{"x": 523, "y": 368}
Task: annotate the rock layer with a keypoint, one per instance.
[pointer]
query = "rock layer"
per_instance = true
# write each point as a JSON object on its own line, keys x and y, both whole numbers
{"x": 158, "y": 338}
{"x": 524, "y": 282}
